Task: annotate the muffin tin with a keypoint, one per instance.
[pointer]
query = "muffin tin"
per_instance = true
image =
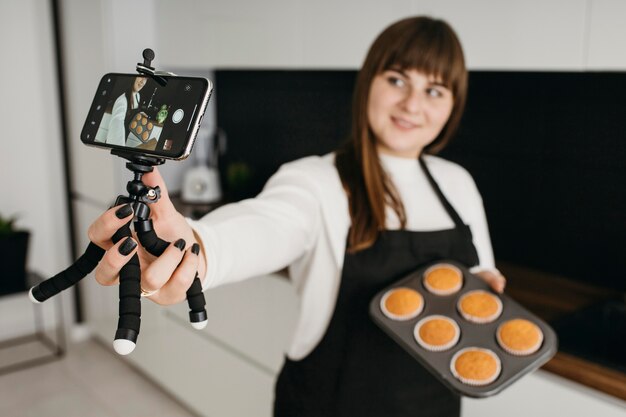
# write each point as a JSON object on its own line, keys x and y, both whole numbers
{"x": 141, "y": 126}
{"x": 472, "y": 334}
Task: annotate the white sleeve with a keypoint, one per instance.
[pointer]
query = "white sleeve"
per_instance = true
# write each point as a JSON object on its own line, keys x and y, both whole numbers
{"x": 116, "y": 133}
{"x": 477, "y": 221}
{"x": 264, "y": 234}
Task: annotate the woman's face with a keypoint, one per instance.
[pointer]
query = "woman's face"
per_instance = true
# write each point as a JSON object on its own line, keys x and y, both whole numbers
{"x": 406, "y": 111}
{"x": 138, "y": 84}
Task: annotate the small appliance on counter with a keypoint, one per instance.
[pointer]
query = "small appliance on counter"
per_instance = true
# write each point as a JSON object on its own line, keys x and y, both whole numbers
{"x": 201, "y": 183}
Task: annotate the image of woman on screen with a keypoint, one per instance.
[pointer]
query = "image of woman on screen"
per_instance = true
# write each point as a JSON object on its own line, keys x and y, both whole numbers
{"x": 122, "y": 113}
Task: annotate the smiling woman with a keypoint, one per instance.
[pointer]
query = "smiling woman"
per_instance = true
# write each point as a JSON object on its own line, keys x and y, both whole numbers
{"x": 409, "y": 97}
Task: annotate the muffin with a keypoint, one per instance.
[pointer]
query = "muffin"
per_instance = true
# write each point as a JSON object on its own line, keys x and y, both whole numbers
{"x": 144, "y": 137}
{"x": 139, "y": 129}
{"x": 519, "y": 337}
{"x": 150, "y": 126}
{"x": 144, "y": 121}
{"x": 475, "y": 366}
{"x": 443, "y": 279}
{"x": 479, "y": 306}
{"x": 133, "y": 124}
{"x": 138, "y": 117}
{"x": 437, "y": 333}
{"x": 402, "y": 303}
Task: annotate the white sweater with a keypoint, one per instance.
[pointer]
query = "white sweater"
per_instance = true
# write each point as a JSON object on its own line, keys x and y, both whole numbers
{"x": 300, "y": 220}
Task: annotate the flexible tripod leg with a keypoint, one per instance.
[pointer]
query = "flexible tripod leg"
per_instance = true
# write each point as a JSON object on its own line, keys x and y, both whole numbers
{"x": 70, "y": 276}
{"x": 130, "y": 303}
{"x": 195, "y": 297}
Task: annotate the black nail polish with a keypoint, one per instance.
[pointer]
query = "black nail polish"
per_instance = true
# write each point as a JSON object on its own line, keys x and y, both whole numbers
{"x": 195, "y": 249}
{"x": 180, "y": 244}
{"x": 124, "y": 211}
{"x": 127, "y": 247}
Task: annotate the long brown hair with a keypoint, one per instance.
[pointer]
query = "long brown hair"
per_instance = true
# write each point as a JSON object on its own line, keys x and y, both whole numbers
{"x": 426, "y": 45}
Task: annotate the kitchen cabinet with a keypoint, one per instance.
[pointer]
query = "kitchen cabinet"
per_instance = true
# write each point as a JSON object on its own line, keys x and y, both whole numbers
{"x": 227, "y": 369}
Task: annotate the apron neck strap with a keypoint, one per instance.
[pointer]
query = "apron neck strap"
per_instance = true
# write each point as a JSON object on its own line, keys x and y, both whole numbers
{"x": 446, "y": 204}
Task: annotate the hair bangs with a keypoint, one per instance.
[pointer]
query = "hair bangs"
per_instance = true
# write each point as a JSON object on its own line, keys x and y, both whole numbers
{"x": 428, "y": 49}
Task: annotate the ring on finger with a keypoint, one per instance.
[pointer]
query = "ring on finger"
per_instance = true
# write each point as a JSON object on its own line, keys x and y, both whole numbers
{"x": 145, "y": 293}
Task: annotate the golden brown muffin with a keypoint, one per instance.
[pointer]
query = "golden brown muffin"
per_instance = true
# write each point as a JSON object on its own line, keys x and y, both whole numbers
{"x": 402, "y": 303}
{"x": 133, "y": 124}
{"x": 150, "y": 126}
{"x": 443, "y": 279}
{"x": 479, "y": 306}
{"x": 139, "y": 129}
{"x": 437, "y": 333}
{"x": 138, "y": 117}
{"x": 144, "y": 137}
{"x": 475, "y": 366}
{"x": 519, "y": 337}
{"x": 144, "y": 121}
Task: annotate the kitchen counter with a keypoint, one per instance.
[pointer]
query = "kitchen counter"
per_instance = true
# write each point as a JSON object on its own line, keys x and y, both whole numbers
{"x": 552, "y": 298}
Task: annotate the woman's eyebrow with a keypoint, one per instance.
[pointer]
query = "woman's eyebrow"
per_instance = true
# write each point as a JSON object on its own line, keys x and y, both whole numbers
{"x": 399, "y": 71}
{"x": 434, "y": 81}
{"x": 437, "y": 83}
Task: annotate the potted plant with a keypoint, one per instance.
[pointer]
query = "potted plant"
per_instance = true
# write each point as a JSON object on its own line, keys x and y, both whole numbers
{"x": 13, "y": 250}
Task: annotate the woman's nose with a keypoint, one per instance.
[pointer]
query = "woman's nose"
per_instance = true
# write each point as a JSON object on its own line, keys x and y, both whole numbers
{"x": 414, "y": 101}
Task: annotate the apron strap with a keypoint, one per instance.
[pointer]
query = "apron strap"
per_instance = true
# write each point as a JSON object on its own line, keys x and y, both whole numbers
{"x": 446, "y": 204}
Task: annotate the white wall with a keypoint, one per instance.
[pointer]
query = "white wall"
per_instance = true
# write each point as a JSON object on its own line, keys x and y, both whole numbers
{"x": 496, "y": 34}
{"x": 31, "y": 166}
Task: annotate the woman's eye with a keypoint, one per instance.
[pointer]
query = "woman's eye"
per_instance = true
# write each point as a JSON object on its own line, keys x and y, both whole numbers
{"x": 434, "y": 92}
{"x": 395, "y": 81}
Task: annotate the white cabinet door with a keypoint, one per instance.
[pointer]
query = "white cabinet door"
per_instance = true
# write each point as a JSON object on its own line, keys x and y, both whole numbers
{"x": 229, "y": 368}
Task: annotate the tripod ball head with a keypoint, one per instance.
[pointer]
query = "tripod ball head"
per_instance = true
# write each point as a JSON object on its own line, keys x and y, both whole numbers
{"x": 148, "y": 56}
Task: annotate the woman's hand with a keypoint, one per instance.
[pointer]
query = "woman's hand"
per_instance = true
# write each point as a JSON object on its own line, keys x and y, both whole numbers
{"x": 496, "y": 281}
{"x": 172, "y": 273}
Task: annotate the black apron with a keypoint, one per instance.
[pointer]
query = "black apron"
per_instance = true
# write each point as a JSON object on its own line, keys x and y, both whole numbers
{"x": 357, "y": 370}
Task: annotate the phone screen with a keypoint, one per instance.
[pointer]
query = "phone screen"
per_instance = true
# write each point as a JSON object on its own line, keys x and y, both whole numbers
{"x": 137, "y": 114}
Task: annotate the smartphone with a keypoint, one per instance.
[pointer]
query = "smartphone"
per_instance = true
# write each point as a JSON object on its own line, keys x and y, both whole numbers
{"x": 136, "y": 114}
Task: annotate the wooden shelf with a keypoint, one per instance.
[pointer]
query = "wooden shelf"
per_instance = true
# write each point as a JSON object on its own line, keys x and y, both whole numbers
{"x": 587, "y": 373}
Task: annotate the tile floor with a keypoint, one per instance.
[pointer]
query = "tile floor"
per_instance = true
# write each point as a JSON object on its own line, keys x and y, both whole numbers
{"x": 90, "y": 381}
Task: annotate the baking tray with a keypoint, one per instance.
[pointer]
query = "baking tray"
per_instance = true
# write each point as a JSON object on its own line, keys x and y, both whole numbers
{"x": 142, "y": 126}
{"x": 472, "y": 334}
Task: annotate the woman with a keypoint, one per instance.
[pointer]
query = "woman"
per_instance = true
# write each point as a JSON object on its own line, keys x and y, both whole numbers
{"x": 122, "y": 113}
{"x": 347, "y": 225}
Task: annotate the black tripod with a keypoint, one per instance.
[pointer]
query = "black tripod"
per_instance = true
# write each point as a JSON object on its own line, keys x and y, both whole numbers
{"x": 139, "y": 196}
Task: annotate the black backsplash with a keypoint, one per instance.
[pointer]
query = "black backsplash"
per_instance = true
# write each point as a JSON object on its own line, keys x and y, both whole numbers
{"x": 547, "y": 151}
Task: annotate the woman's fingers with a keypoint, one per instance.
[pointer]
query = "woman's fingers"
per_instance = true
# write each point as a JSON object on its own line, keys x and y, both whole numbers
{"x": 175, "y": 289}
{"x": 496, "y": 281}
{"x": 159, "y": 272}
{"x": 108, "y": 270}
{"x": 105, "y": 226}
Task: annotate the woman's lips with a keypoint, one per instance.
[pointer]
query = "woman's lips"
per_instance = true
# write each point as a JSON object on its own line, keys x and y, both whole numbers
{"x": 403, "y": 124}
